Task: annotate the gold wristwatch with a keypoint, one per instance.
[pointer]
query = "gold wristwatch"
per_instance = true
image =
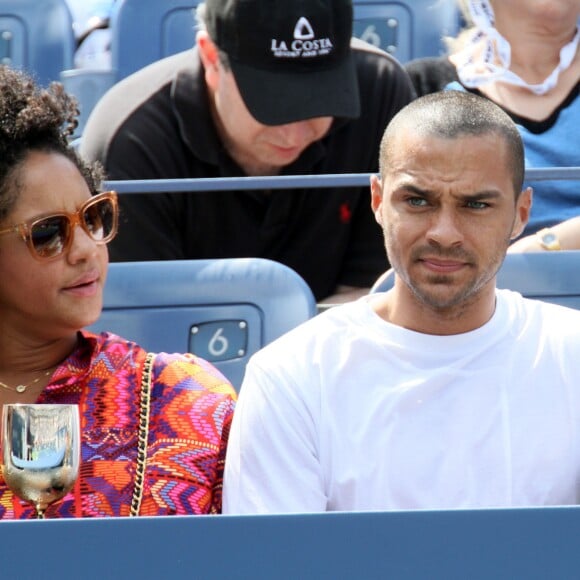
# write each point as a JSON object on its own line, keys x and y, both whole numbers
{"x": 548, "y": 239}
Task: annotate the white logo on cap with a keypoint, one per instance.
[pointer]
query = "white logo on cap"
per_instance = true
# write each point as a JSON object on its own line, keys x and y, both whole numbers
{"x": 304, "y": 44}
{"x": 303, "y": 29}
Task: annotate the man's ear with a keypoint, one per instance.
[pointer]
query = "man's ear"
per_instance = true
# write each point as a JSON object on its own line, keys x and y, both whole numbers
{"x": 523, "y": 208}
{"x": 209, "y": 55}
{"x": 377, "y": 197}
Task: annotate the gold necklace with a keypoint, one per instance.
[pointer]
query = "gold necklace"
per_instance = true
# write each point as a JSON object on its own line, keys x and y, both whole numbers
{"x": 22, "y": 388}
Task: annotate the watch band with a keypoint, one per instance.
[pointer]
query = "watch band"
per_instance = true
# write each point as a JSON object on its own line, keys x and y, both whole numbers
{"x": 548, "y": 239}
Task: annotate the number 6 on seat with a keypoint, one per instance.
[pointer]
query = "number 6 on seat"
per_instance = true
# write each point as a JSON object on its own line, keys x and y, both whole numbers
{"x": 223, "y": 310}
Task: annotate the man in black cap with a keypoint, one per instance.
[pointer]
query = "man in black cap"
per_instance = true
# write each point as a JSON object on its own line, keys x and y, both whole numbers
{"x": 272, "y": 87}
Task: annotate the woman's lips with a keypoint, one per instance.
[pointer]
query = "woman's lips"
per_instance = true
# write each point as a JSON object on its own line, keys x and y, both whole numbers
{"x": 85, "y": 285}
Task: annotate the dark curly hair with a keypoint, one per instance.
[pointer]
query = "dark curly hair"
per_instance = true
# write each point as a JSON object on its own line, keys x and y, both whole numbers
{"x": 33, "y": 118}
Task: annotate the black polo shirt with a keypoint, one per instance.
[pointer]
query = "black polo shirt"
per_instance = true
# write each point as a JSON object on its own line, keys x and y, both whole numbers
{"x": 156, "y": 124}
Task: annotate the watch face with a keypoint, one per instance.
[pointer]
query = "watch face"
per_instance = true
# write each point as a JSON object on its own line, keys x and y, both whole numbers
{"x": 549, "y": 240}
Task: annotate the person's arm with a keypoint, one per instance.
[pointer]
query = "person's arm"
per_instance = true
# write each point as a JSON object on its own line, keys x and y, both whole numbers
{"x": 272, "y": 463}
{"x": 191, "y": 409}
{"x": 567, "y": 234}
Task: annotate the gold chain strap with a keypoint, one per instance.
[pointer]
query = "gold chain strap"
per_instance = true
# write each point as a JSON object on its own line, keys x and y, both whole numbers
{"x": 142, "y": 441}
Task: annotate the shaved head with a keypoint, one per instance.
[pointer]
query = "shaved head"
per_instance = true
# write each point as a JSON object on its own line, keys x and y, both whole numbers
{"x": 452, "y": 114}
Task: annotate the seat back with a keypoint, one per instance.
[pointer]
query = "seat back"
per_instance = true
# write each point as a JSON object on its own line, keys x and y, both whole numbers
{"x": 37, "y": 36}
{"x": 408, "y": 29}
{"x": 549, "y": 276}
{"x": 144, "y": 31}
{"x": 223, "y": 310}
{"x": 88, "y": 86}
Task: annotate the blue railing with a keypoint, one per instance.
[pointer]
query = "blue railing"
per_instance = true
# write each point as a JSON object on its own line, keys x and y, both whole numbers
{"x": 293, "y": 181}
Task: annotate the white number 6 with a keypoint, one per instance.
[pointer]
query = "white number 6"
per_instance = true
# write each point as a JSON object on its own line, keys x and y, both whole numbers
{"x": 218, "y": 344}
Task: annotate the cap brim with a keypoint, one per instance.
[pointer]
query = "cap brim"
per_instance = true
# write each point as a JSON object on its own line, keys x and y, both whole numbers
{"x": 277, "y": 98}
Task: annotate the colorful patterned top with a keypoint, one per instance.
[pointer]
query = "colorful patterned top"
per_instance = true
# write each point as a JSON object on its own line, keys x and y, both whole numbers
{"x": 191, "y": 410}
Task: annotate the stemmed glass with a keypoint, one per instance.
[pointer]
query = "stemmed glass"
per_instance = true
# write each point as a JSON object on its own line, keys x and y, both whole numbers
{"x": 40, "y": 451}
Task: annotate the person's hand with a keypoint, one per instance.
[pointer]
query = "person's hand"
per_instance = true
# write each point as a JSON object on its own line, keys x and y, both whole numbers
{"x": 526, "y": 244}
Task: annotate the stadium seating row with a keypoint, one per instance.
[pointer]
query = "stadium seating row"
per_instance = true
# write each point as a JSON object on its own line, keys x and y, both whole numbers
{"x": 37, "y": 35}
{"x": 225, "y": 310}
{"x": 146, "y": 30}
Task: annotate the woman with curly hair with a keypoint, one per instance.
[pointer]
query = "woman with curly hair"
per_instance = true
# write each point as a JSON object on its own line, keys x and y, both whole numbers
{"x": 54, "y": 227}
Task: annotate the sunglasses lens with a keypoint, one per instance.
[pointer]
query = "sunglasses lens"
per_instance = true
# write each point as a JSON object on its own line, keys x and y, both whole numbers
{"x": 49, "y": 236}
{"x": 99, "y": 219}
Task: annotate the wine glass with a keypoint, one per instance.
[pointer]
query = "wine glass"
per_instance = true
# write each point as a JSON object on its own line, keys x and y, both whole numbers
{"x": 41, "y": 451}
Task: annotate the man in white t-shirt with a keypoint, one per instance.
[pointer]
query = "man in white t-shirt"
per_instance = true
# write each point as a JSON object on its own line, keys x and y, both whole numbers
{"x": 443, "y": 392}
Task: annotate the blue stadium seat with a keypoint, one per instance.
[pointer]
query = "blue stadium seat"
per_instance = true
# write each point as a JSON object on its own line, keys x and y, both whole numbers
{"x": 223, "y": 310}
{"x": 550, "y": 276}
{"x": 88, "y": 86}
{"x": 37, "y": 36}
{"x": 406, "y": 29}
{"x": 147, "y": 30}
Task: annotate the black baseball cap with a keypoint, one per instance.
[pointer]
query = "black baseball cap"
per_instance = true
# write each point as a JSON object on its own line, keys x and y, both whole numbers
{"x": 291, "y": 59}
